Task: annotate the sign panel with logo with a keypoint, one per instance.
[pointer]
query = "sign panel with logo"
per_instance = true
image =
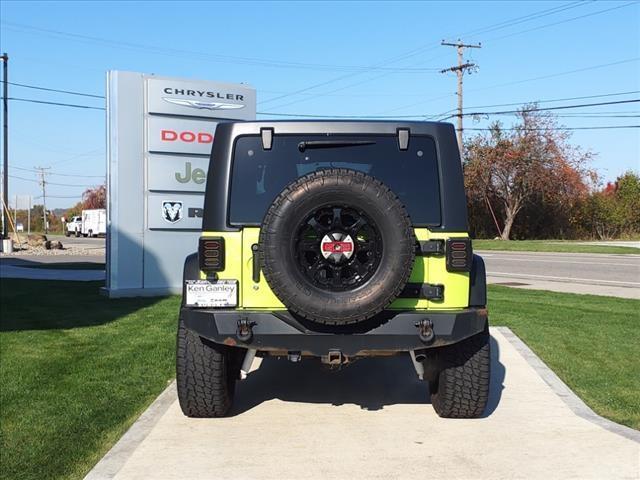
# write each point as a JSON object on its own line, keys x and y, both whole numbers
{"x": 173, "y": 211}
{"x": 201, "y": 99}
{"x": 177, "y": 173}
{"x": 178, "y": 135}
{"x": 160, "y": 134}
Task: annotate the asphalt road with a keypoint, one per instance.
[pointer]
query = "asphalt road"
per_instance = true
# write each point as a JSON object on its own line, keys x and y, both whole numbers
{"x": 597, "y": 274}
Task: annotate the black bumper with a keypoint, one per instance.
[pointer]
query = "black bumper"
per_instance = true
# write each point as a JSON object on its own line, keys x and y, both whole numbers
{"x": 280, "y": 331}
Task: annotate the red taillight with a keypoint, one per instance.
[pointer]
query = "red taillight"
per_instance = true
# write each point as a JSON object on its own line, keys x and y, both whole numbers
{"x": 211, "y": 254}
{"x": 459, "y": 254}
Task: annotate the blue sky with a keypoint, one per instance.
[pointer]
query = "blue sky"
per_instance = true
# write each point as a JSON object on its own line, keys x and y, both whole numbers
{"x": 318, "y": 57}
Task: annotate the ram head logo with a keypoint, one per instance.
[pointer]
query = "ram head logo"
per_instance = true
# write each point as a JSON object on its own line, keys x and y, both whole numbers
{"x": 172, "y": 211}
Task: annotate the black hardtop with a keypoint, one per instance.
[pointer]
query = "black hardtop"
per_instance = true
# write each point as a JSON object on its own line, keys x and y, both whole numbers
{"x": 452, "y": 195}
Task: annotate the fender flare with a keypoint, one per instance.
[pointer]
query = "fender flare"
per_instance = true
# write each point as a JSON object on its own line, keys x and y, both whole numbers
{"x": 478, "y": 283}
{"x": 191, "y": 271}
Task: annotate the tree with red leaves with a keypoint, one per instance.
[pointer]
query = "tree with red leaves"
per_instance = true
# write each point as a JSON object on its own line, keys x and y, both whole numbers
{"x": 94, "y": 198}
{"x": 533, "y": 160}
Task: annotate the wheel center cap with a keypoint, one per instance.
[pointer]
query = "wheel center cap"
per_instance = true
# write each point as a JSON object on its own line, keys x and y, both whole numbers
{"x": 336, "y": 246}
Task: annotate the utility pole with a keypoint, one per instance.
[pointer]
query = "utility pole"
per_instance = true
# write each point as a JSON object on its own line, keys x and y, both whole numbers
{"x": 43, "y": 183}
{"x": 460, "y": 70}
{"x": 5, "y": 137}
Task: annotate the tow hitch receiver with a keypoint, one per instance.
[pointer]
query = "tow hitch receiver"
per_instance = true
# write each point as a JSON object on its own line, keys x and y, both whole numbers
{"x": 334, "y": 358}
{"x": 425, "y": 330}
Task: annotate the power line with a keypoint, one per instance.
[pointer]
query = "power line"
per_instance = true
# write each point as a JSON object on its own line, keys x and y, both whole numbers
{"x": 560, "y": 74}
{"x": 49, "y": 183}
{"x": 277, "y": 114}
{"x": 544, "y": 13}
{"x": 561, "y": 22}
{"x": 409, "y": 54}
{"x": 465, "y": 114}
{"x": 553, "y": 75}
{"x": 604, "y": 127}
{"x": 575, "y": 115}
{"x": 584, "y": 97}
{"x": 61, "y": 174}
{"x": 68, "y": 92}
{"x": 502, "y": 25}
{"x": 90, "y": 153}
{"x": 59, "y": 104}
{"x": 207, "y": 56}
{"x": 60, "y": 196}
{"x": 535, "y": 109}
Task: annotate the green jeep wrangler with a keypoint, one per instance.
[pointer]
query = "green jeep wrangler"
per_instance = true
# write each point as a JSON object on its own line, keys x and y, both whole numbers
{"x": 334, "y": 240}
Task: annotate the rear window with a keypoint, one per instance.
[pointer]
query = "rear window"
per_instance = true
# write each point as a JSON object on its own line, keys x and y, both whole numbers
{"x": 260, "y": 175}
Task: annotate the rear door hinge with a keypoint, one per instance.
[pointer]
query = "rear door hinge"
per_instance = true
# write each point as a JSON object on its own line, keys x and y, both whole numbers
{"x": 423, "y": 291}
{"x": 430, "y": 247}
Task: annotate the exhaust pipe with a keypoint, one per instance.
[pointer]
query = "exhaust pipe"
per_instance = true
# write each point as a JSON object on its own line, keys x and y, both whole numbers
{"x": 247, "y": 362}
{"x": 417, "y": 358}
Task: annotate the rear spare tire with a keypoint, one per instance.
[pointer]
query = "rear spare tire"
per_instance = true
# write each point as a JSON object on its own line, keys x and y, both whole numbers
{"x": 336, "y": 246}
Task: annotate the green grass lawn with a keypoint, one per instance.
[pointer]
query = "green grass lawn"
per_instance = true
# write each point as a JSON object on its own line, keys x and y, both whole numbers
{"x": 562, "y": 246}
{"x": 65, "y": 266}
{"x": 77, "y": 369}
{"x": 591, "y": 342}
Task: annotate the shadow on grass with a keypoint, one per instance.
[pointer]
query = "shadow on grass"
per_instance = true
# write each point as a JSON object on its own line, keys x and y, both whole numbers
{"x": 47, "y": 305}
{"x": 371, "y": 383}
{"x": 56, "y": 265}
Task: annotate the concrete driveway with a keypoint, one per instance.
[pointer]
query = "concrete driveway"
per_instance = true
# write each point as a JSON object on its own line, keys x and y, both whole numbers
{"x": 372, "y": 420}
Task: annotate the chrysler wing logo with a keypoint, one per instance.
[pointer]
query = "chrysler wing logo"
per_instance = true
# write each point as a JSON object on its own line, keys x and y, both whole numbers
{"x": 202, "y": 105}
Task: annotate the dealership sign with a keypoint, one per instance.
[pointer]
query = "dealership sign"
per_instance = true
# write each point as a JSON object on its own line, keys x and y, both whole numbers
{"x": 178, "y": 135}
{"x": 160, "y": 134}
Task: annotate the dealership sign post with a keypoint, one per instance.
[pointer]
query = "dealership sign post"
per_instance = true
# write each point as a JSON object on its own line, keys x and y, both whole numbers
{"x": 160, "y": 132}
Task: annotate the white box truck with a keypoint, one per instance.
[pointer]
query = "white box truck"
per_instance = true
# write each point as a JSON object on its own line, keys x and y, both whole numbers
{"x": 94, "y": 222}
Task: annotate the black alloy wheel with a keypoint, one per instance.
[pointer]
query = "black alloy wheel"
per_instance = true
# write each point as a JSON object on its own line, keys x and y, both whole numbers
{"x": 338, "y": 248}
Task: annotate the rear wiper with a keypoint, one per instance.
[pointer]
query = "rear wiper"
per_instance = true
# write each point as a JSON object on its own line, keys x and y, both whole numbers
{"x": 302, "y": 146}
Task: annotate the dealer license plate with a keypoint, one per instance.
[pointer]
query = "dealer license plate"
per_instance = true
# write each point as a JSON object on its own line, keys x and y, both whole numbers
{"x": 205, "y": 293}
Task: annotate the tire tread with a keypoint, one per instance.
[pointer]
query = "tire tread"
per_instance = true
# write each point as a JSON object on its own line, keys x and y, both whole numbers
{"x": 462, "y": 387}
{"x": 203, "y": 376}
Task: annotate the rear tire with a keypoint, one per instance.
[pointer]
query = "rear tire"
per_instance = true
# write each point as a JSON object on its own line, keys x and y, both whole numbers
{"x": 461, "y": 389}
{"x": 206, "y": 375}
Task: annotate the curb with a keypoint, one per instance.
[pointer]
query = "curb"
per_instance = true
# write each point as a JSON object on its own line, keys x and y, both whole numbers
{"x": 114, "y": 460}
{"x": 563, "y": 391}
